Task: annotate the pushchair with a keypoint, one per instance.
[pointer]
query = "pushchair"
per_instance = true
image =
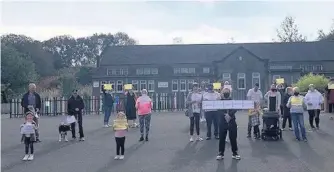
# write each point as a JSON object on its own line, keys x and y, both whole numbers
{"x": 271, "y": 126}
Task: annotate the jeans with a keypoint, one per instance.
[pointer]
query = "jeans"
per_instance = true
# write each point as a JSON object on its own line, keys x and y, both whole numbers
{"x": 120, "y": 142}
{"x": 194, "y": 121}
{"x": 314, "y": 115}
{"x": 78, "y": 117}
{"x": 212, "y": 117}
{"x": 107, "y": 113}
{"x": 144, "y": 121}
{"x": 298, "y": 123}
{"x": 232, "y": 132}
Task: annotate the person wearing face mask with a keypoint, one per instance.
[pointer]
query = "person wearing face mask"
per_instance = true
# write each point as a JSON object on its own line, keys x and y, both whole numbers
{"x": 130, "y": 108}
{"x": 296, "y": 105}
{"x": 286, "y": 110}
{"x": 313, "y": 100}
{"x": 227, "y": 125}
{"x": 273, "y": 98}
{"x": 211, "y": 116}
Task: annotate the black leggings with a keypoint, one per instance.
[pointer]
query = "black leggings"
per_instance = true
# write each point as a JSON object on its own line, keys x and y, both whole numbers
{"x": 120, "y": 142}
{"x": 314, "y": 115}
{"x": 194, "y": 121}
{"x": 28, "y": 143}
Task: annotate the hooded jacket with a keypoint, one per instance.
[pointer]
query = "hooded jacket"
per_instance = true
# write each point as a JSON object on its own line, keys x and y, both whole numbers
{"x": 144, "y": 105}
{"x": 313, "y": 100}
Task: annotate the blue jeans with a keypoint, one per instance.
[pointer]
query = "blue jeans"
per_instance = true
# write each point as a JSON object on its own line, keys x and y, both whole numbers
{"x": 298, "y": 122}
{"x": 107, "y": 113}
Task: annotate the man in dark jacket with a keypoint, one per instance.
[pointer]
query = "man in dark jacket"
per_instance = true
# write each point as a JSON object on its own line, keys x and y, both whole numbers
{"x": 286, "y": 110}
{"x": 228, "y": 124}
{"x": 33, "y": 100}
{"x": 107, "y": 105}
{"x": 75, "y": 105}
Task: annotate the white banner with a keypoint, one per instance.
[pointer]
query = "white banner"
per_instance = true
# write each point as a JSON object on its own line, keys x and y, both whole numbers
{"x": 227, "y": 104}
{"x": 28, "y": 129}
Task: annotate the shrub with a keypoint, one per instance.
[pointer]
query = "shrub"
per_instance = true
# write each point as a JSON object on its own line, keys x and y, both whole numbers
{"x": 85, "y": 91}
{"x": 320, "y": 82}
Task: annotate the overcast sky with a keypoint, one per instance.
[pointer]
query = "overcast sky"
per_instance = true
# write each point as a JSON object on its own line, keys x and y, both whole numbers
{"x": 158, "y": 22}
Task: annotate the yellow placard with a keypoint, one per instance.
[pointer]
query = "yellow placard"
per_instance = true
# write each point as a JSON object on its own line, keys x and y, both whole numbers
{"x": 107, "y": 86}
{"x": 217, "y": 86}
{"x": 331, "y": 86}
{"x": 296, "y": 101}
{"x": 120, "y": 124}
{"x": 128, "y": 87}
{"x": 280, "y": 81}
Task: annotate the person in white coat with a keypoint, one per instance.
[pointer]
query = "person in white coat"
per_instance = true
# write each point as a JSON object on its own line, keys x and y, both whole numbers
{"x": 313, "y": 100}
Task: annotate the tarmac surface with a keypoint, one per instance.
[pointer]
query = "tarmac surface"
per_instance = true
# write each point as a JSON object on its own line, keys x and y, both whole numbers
{"x": 168, "y": 149}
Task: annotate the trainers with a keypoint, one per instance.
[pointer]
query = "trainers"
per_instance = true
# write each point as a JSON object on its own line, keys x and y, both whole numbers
{"x": 305, "y": 140}
{"x": 199, "y": 138}
{"x": 282, "y": 129}
{"x": 217, "y": 137}
{"x": 25, "y": 158}
{"x": 66, "y": 140}
{"x": 106, "y": 126}
{"x": 82, "y": 139}
{"x": 116, "y": 157}
{"x": 121, "y": 157}
{"x": 31, "y": 157}
{"x": 191, "y": 139}
{"x": 208, "y": 138}
{"x": 236, "y": 156}
{"x": 146, "y": 138}
{"x": 141, "y": 139}
{"x": 290, "y": 129}
{"x": 219, "y": 157}
{"x": 249, "y": 136}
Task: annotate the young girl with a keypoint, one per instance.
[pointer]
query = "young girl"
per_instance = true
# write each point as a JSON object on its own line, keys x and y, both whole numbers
{"x": 254, "y": 120}
{"x": 28, "y": 129}
{"x": 120, "y": 127}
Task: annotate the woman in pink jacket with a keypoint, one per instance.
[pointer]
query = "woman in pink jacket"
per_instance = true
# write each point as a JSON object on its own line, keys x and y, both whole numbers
{"x": 144, "y": 108}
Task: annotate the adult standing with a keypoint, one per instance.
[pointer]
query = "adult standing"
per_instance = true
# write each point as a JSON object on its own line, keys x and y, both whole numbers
{"x": 227, "y": 124}
{"x": 107, "y": 105}
{"x": 273, "y": 98}
{"x": 144, "y": 105}
{"x": 256, "y": 95}
{"x": 32, "y": 99}
{"x": 130, "y": 108}
{"x": 194, "y": 101}
{"x": 286, "y": 110}
{"x": 211, "y": 116}
{"x": 75, "y": 105}
{"x": 313, "y": 100}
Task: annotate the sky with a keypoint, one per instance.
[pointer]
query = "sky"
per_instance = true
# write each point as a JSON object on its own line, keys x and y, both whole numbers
{"x": 159, "y": 22}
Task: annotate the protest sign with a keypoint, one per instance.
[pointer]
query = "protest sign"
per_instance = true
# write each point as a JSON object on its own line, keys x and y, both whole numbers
{"x": 227, "y": 104}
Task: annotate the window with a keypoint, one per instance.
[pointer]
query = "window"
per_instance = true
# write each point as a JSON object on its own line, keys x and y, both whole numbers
{"x": 241, "y": 81}
{"x": 142, "y": 85}
{"x": 276, "y": 77}
{"x": 302, "y": 67}
{"x": 175, "y": 85}
{"x": 139, "y": 71}
{"x": 256, "y": 78}
{"x": 147, "y": 71}
{"x": 292, "y": 80}
{"x": 206, "y": 70}
{"x": 318, "y": 68}
{"x": 226, "y": 76}
{"x": 184, "y": 70}
{"x": 119, "y": 86}
{"x": 192, "y": 70}
{"x": 135, "y": 85}
{"x": 177, "y": 70}
{"x": 124, "y": 71}
{"x": 190, "y": 84}
{"x": 151, "y": 85}
{"x": 154, "y": 71}
{"x": 309, "y": 68}
{"x": 112, "y": 85}
{"x": 109, "y": 71}
{"x": 183, "y": 85}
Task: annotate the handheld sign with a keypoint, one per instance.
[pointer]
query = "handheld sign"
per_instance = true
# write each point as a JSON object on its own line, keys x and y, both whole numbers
{"x": 120, "y": 124}
{"x": 128, "y": 87}
{"x": 280, "y": 81}
{"x": 107, "y": 86}
{"x": 217, "y": 86}
{"x": 227, "y": 104}
{"x": 331, "y": 86}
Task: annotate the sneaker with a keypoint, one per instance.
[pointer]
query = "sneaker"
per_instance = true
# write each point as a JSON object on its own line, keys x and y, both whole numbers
{"x": 249, "y": 136}
{"x": 106, "y": 126}
{"x": 191, "y": 139}
{"x": 317, "y": 127}
{"x": 25, "y": 158}
{"x": 199, "y": 138}
{"x": 121, "y": 157}
{"x": 37, "y": 140}
{"x": 290, "y": 129}
{"x": 208, "y": 138}
{"x": 31, "y": 157}
{"x": 146, "y": 138}
{"x": 305, "y": 140}
{"x": 203, "y": 120}
{"x": 236, "y": 156}
{"x": 116, "y": 157}
{"x": 297, "y": 139}
{"x": 219, "y": 157}
{"x": 217, "y": 137}
{"x": 59, "y": 140}
{"x": 109, "y": 125}
{"x": 282, "y": 129}
{"x": 82, "y": 139}
{"x": 66, "y": 140}
{"x": 141, "y": 139}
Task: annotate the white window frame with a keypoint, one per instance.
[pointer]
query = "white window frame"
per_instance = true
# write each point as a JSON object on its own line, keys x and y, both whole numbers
{"x": 192, "y": 70}
{"x": 139, "y": 71}
{"x": 135, "y": 82}
{"x": 241, "y": 76}
{"x": 124, "y": 71}
{"x": 150, "y": 83}
{"x": 154, "y": 71}
{"x": 119, "y": 84}
{"x": 183, "y": 81}
{"x": 113, "y": 86}
{"x": 226, "y": 76}
{"x": 206, "y": 70}
{"x": 142, "y": 82}
{"x": 147, "y": 71}
{"x": 184, "y": 70}
{"x": 318, "y": 68}
{"x": 175, "y": 81}
{"x": 109, "y": 72}
{"x": 190, "y": 81}
{"x": 177, "y": 70}
{"x": 256, "y": 75}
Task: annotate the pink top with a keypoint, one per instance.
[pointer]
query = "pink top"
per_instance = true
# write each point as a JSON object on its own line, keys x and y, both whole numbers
{"x": 120, "y": 133}
{"x": 144, "y": 105}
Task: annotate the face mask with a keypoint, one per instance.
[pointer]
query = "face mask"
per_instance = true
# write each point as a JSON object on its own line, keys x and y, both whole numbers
{"x": 274, "y": 89}
{"x": 296, "y": 93}
{"x": 226, "y": 95}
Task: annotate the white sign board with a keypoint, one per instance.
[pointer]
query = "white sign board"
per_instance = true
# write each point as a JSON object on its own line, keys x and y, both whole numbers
{"x": 162, "y": 84}
{"x": 96, "y": 84}
{"x": 227, "y": 104}
{"x": 28, "y": 129}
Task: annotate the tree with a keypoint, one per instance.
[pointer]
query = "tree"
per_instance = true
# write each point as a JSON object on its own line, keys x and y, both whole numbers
{"x": 289, "y": 32}
{"x": 320, "y": 82}
{"x": 322, "y": 36}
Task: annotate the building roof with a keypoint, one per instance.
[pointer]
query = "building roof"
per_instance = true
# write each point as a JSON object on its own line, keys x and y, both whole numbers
{"x": 207, "y": 53}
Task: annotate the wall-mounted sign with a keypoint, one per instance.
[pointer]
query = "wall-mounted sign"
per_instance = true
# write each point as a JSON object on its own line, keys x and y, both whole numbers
{"x": 96, "y": 84}
{"x": 162, "y": 84}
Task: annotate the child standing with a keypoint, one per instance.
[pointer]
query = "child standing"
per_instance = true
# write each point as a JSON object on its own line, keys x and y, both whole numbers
{"x": 28, "y": 136}
{"x": 120, "y": 127}
{"x": 254, "y": 120}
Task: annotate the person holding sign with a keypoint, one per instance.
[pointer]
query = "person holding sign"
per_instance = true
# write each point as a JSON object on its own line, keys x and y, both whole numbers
{"x": 194, "y": 100}
{"x": 211, "y": 115}
{"x": 313, "y": 100}
{"x": 120, "y": 127}
{"x": 28, "y": 129}
{"x": 228, "y": 124}
{"x": 296, "y": 105}
{"x": 75, "y": 105}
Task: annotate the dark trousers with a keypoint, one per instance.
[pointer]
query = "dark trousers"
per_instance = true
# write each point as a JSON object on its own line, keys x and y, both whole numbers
{"x": 287, "y": 118}
{"x": 331, "y": 107}
{"x": 314, "y": 115}
{"x": 212, "y": 118}
{"x": 28, "y": 144}
{"x": 256, "y": 130}
{"x": 194, "y": 121}
{"x": 78, "y": 117}
{"x": 232, "y": 132}
{"x": 120, "y": 142}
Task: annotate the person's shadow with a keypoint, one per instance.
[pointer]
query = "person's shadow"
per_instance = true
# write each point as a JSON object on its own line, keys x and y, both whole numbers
{"x": 232, "y": 168}
{"x": 185, "y": 156}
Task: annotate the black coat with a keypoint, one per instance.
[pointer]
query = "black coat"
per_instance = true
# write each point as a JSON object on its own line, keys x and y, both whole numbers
{"x": 231, "y": 113}
{"x": 74, "y": 103}
{"x": 24, "y": 101}
{"x": 286, "y": 110}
